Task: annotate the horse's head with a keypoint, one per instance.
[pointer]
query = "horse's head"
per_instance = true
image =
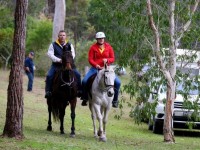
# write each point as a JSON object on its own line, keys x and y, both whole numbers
{"x": 106, "y": 79}
{"x": 67, "y": 60}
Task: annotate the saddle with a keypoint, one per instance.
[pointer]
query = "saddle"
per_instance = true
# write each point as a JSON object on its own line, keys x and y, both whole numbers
{"x": 89, "y": 84}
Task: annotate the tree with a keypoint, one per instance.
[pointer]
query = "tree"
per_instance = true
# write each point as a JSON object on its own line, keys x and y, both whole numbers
{"x": 169, "y": 72}
{"x": 15, "y": 106}
{"x": 59, "y": 18}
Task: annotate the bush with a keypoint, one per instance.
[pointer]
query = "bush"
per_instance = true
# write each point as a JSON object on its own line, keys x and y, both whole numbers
{"x": 40, "y": 37}
{"x": 42, "y": 63}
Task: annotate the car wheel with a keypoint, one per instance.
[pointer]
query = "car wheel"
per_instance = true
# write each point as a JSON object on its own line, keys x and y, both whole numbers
{"x": 157, "y": 127}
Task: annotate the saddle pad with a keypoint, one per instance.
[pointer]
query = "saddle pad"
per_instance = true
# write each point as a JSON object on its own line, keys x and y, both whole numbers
{"x": 89, "y": 84}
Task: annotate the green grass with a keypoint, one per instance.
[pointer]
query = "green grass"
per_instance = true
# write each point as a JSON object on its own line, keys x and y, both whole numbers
{"x": 122, "y": 134}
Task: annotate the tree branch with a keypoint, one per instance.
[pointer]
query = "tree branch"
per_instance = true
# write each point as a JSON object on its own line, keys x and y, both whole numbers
{"x": 157, "y": 39}
{"x": 187, "y": 24}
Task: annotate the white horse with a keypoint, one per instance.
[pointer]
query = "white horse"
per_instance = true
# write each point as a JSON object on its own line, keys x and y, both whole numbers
{"x": 102, "y": 93}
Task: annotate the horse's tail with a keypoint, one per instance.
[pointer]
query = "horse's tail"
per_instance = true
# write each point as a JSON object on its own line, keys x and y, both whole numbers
{"x": 56, "y": 111}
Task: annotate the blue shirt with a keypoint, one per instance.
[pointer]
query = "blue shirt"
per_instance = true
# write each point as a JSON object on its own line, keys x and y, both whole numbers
{"x": 29, "y": 63}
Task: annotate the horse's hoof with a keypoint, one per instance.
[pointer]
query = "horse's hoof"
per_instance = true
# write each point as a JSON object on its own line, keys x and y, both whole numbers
{"x": 72, "y": 135}
{"x": 102, "y": 139}
{"x": 62, "y": 132}
{"x": 49, "y": 128}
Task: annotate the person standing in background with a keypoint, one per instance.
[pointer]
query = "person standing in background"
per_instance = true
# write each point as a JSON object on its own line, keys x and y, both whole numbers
{"x": 29, "y": 70}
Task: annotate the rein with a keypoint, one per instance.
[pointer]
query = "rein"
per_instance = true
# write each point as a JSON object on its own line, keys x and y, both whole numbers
{"x": 66, "y": 83}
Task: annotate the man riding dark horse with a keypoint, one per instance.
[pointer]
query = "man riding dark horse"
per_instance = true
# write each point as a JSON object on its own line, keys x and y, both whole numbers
{"x": 64, "y": 92}
{"x": 55, "y": 52}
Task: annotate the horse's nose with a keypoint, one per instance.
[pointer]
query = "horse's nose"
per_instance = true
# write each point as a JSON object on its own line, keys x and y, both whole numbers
{"x": 110, "y": 94}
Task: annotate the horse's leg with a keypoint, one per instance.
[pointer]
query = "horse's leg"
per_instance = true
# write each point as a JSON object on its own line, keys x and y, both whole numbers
{"x": 101, "y": 110}
{"x": 93, "y": 116}
{"x": 100, "y": 117}
{"x": 61, "y": 116}
{"x": 105, "y": 119}
{"x": 49, "y": 127}
{"x": 73, "y": 115}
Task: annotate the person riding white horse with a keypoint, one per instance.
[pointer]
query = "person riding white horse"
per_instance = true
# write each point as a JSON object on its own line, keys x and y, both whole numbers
{"x": 101, "y": 52}
{"x": 100, "y": 100}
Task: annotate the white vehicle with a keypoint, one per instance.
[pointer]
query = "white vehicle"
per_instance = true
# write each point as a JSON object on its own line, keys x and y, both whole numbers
{"x": 181, "y": 116}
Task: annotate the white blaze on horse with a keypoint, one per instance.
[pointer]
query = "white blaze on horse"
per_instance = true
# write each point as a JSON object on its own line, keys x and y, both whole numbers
{"x": 102, "y": 93}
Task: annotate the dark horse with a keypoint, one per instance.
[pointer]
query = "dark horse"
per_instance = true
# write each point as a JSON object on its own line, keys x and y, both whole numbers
{"x": 64, "y": 93}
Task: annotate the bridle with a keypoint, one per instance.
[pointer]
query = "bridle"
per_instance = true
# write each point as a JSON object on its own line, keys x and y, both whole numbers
{"x": 64, "y": 82}
{"x": 67, "y": 62}
{"x": 107, "y": 86}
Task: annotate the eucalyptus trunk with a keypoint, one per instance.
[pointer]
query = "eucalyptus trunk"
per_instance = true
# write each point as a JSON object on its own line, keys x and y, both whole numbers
{"x": 171, "y": 84}
{"x": 168, "y": 121}
{"x": 59, "y": 18}
{"x": 168, "y": 73}
{"x": 15, "y": 106}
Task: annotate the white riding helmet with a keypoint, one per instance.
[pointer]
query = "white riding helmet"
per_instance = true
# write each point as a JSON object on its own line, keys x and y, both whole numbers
{"x": 100, "y": 35}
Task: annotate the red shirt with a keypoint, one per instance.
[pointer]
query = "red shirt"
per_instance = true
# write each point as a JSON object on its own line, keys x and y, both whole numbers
{"x": 95, "y": 57}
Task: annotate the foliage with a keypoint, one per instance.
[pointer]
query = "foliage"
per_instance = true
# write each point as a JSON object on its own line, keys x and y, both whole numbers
{"x": 36, "y": 7}
{"x": 82, "y": 55}
{"x": 6, "y": 33}
{"x": 6, "y": 43}
{"x": 76, "y": 19}
{"x": 6, "y": 17}
{"x": 42, "y": 64}
{"x": 39, "y": 37}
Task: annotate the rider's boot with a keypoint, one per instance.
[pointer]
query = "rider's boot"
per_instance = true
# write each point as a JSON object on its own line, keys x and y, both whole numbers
{"x": 115, "y": 104}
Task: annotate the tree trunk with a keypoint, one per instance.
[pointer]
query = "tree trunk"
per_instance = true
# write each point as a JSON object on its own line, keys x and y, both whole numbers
{"x": 169, "y": 74}
{"x": 75, "y": 4}
{"x": 59, "y": 18}
{"x": 15, "y": 106}
{"x": 168, "y": 121}
{"x": 171, "y": 86}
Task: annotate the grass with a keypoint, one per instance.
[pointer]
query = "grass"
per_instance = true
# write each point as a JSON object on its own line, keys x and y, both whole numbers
{"x": 122, "y": 134}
